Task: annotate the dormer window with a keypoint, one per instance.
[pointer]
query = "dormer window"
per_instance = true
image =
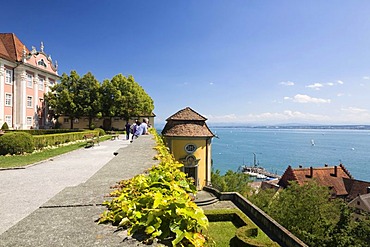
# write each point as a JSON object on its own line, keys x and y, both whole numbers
{"x": 41, "y": 63}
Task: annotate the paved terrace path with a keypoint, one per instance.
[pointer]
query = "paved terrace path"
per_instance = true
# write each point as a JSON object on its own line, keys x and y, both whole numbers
{"x": 57, "y": 202}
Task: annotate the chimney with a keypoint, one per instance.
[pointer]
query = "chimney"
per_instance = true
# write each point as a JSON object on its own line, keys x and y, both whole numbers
{"x": 311, "y": 173}
{"x": 300, "y": 166}
{"x": 368, "y": 190}
{"x": 335, "y": 171}
{"x": 326, "y": 165}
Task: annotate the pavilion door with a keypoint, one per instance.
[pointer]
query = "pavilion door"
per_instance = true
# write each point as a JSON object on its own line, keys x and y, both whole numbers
{"x": 192, "y": 172}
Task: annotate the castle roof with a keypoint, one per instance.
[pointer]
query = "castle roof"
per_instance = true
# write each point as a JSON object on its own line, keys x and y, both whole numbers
{"x": 11, "y": 48}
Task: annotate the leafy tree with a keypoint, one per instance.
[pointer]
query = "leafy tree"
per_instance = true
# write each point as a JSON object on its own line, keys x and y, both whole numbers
{"x": 307, "y": 211}
{"x": 88, "y": 97}
{"x": 231, "y": 182}
{"x": 133, "y": 101}
{"x": 109, "y": 95}
{"x": 124, "y": 97}
{"x": 62, "y": 97}
{"x": 218, "y": 181}
{"x": 361, "y": 232}
{"x": 263, "y": 198}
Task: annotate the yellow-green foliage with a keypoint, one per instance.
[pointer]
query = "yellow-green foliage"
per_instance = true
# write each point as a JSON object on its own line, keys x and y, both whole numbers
{"x": 42, "y": 141}
{"x": 158, "y": 203}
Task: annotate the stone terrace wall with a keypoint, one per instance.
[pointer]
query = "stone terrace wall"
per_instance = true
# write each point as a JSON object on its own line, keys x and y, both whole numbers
{"x": 273, "y": 229}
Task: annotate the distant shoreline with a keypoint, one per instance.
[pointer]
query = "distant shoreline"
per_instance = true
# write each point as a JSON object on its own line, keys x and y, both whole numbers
{"x": 325, "y": 127}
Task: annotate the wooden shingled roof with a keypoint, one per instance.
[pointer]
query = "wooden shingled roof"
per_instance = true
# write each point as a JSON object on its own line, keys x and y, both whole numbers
{"x": 186, "y": 123}
{"x": 330, "y": 176}
{"x": 11, "y": 48}
{"x": 186, "y": 114}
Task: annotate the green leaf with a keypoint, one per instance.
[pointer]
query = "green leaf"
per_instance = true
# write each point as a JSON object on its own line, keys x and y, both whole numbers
{"x": 149, "y": 230}
{"x": 179, "y": 236}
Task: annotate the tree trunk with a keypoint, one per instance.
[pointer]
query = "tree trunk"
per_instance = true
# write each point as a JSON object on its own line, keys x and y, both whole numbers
{"x": 90, "y": 121}
{"x": 71, "y": 119}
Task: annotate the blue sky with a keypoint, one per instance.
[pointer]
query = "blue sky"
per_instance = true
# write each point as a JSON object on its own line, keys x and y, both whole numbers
{"x": 252, "y": 62}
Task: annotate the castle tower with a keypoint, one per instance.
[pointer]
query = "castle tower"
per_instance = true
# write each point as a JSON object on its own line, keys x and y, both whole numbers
{"x": 189, "y": 139}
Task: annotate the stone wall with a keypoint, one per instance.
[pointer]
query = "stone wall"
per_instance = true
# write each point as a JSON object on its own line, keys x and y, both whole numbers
{"x": 272, "y": 228}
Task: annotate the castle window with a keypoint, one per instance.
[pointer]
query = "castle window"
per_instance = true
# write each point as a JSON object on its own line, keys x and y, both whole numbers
{"x": 29, "y": 80}
{"x": 29, "y": 121}
{"x": 8, "y": 99}
{"x": 41, "y": 83}
{"x": 29, "y": 101}
{"x": 8, "y": 76}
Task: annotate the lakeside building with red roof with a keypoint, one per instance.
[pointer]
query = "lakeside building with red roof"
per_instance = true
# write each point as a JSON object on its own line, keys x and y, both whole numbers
{"x": 338, "y": 180}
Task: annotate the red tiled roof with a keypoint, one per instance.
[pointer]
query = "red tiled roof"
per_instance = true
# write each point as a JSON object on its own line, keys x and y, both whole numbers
{"x": 331, "y": 177}
{"x": 11, "y": 47}
{"x": 355, "y": 187}
{"x": 186, "y": 123}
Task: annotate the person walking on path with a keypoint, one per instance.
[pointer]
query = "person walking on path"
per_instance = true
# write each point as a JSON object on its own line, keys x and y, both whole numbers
{"x": 128, "y": 130}
{"x": 144, "y": 126}
{"x": 134, "y": 128}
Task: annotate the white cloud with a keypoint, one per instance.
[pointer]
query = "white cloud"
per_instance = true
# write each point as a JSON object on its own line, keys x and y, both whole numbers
{"x": 287, "y": 83}
{"x": 366, "y": 77}
{"x": 315, "y": 86}
{"x": 340, "y": 94}
{"x": 340, "y": 82}
{"x": 302, "y": 98}
{"x": 211, "y": 83}
{"x": 354, "y": 110}
{"x": 330, "y": 84}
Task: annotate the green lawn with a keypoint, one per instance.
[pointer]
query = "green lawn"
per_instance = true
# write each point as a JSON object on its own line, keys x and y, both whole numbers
{"x": 27, "y": 159}
{"x": 222, "y": 232}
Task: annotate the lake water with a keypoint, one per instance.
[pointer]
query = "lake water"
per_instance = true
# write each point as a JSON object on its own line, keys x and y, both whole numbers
{"x": 275, "y": 149}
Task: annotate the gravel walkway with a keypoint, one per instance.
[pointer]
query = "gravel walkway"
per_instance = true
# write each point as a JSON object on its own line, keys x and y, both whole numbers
{"x": 22, "y": 191}
{"x": 57, "y": 203}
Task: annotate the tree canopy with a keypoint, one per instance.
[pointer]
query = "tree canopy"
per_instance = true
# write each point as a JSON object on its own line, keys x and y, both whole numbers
{"x": 231, "y": 182}
{"x": 77, "y": 97}
{"x": 124, "y": 97}
{"x": 309, "y": 212}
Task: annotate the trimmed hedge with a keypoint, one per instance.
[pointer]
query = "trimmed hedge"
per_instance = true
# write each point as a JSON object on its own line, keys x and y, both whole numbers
{"x": 47, "y": 131}
{"x": 16, "y": 143}
{"x": 5, "y": 126}
{"x": 41, "y": 141}
{"x": 247, "y": 231}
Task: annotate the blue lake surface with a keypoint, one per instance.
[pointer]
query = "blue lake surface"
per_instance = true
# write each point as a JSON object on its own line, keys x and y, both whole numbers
{"x": 275, "y": 149}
